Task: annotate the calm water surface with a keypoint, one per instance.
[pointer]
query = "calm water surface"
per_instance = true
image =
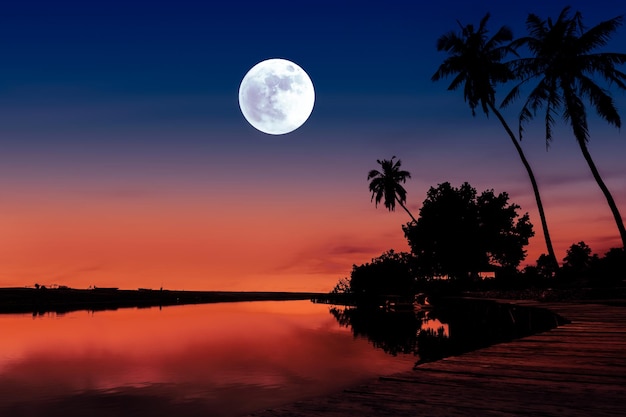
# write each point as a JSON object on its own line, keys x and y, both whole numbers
{"x": 206, "y": 360}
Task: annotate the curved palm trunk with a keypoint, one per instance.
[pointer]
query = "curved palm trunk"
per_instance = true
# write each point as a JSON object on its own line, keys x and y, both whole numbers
{"x": 605, "y": 190}
{"x": 405, "y": 209}
{"x": 531, "y": 175}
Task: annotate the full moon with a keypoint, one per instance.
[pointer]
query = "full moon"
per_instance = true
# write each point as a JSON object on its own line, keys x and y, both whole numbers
{"x": 276, "y": 96}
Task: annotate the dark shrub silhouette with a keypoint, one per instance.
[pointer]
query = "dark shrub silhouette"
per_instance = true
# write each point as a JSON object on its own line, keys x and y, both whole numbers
{"x": 460, "y": 233}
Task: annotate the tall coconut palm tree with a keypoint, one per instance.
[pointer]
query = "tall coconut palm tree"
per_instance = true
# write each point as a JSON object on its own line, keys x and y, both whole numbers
{"x": 475, "y": 61}
{"x": 564, "y": 61}
{"x": 386, "y": 186}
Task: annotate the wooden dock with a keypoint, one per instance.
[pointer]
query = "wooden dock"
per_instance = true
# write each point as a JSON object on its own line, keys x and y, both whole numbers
{"x": 578, "y": 369}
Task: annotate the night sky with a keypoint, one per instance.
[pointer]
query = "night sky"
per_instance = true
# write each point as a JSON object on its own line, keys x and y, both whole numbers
{"x": 125, "y": 160}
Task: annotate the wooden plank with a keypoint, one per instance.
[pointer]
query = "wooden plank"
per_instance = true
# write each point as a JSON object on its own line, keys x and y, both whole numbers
{"x": 511, "y": 379}
{"x": 587, "y": 366}
{"x": 504, "y": 395}
{"x": 562, "y": 349}
{"x": 528, "y": 372}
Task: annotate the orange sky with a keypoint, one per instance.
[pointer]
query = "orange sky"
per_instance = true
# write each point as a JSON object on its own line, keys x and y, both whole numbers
{"x": 303, "y": 243}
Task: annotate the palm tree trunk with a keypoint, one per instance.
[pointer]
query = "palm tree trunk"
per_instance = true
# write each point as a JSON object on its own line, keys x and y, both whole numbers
{"x": 605, "y": 190}
{"x": 405, "y": 209}
{"x": 531, "y": 175}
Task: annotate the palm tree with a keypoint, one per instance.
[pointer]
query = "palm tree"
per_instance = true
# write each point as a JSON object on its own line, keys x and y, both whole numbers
{"x": 386, "y": 186}
{"x": 564, "y": 62}
{"x": 475, "y": 61}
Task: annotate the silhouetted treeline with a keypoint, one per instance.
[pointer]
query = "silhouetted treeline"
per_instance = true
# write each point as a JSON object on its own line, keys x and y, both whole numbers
{"x": 41, "y": 299}
{"x": 459, "y": 236}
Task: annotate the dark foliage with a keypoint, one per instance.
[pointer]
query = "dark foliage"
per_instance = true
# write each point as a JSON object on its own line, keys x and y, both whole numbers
{"x": 584, "y": 268}
{"x": 460, "y": 233}
{"x": 578, "y": 257}
{"x": 389, "y": 274}
{"x": 609, "y": 270}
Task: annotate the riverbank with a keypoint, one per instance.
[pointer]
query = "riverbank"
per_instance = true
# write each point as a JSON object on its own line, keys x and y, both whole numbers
{"x": 63, "y": 300}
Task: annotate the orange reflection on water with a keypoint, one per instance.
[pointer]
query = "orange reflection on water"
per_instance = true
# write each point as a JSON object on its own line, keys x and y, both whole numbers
{"x": 264, "y": 353}
{"x": 435, "y": 325}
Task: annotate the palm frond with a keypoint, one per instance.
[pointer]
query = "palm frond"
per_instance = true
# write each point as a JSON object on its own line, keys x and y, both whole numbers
{"x": 483, "y": 23}
{"x": 525, "y": 116}
{"x": 601, "y": 101}
{"x": 604, "y": 65}
{"x": 574, "y": 112}
{"x": 450, "y": 42}
{"x": 536, "y": 26}
{"x": 511, "y": 96}
{"x": 504, "y": 34}
{"x": 599, "y": 35}
{"x": 533, "y": 102}
{"x": 553, "y": 102}
{"x": 457, "y": 81}
{"x": 373, "y": 173}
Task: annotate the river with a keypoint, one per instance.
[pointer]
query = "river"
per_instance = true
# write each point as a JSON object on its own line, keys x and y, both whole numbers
{"x": 225, "y": 359}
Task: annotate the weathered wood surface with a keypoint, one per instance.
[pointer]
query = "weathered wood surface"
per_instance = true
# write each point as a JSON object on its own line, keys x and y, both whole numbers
{"x": 578, "y": 369}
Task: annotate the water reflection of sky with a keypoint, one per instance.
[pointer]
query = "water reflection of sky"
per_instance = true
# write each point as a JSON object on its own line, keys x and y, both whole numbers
{"x": 213, "y": 359}
{"x": 435, "y": 325}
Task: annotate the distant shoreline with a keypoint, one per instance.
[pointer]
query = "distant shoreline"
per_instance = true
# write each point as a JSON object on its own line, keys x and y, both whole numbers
{"x": 63, "y": 300}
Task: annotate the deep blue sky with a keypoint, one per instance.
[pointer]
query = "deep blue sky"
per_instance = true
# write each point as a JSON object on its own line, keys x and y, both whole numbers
{"x": 104, "y": 52}
{"x": 122, "y": 99}
{"x": 100, "y": 53}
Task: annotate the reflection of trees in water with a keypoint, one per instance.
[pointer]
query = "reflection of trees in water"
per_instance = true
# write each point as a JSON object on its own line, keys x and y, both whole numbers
{"x": 395, "y": 332}
{"x": 471, "y": 325}
{"x": 432, "y": 345}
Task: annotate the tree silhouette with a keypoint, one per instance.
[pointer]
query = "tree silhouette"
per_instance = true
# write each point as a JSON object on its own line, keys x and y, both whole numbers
{"x": 460, "y": 233}
{"x": 578, "y": 257}
{"x": 578, "y": 261}
{"x": 564, "y": 62}
{"x": 389, "y": 274}
{"x": 386, "y": 186}
{"x": 475, "y": 61}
